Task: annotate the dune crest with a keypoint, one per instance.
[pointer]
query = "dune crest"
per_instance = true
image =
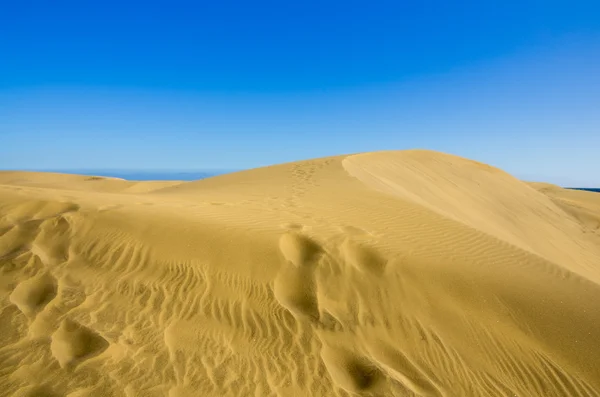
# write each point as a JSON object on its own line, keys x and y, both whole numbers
{"x": 400, "y": 273}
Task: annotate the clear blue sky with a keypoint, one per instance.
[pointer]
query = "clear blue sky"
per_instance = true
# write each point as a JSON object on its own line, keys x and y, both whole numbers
{"x": 224, "y": 84}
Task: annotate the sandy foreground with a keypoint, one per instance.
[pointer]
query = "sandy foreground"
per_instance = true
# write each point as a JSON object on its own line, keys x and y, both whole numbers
{"x": 401, "y": 273}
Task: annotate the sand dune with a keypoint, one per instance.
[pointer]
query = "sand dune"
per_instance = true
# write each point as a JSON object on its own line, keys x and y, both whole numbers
{"x": 410, "y": 273}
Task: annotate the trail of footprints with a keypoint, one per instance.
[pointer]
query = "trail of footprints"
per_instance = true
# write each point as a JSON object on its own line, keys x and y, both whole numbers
{"x": 40, "y": 233}
{"x": 302, "y": 177}
{"x": 73, "y": 343}
{"x": 378, "y": 367}
{"x": 295, "y": 285}
{"x": 298, "y": 288}
{"x": 32, "y": 295}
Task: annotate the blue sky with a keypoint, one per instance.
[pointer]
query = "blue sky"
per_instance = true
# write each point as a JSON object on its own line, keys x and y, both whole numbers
{"x": 230, "y": 85}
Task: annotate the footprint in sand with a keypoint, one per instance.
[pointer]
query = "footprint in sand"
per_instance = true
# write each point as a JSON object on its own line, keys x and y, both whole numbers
{"x": 73, "y": 343}
{"x": 52, "y": 241}
{"x": 32, "y": 295}
{"x": 294, "y": 286}
{"x": 351, "y": 372}
{"x": 295, "y": 290}
{"x": 299, "y": 249}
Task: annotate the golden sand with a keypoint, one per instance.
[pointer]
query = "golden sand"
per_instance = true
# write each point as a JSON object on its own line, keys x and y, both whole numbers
{"x": 409, "y": 273}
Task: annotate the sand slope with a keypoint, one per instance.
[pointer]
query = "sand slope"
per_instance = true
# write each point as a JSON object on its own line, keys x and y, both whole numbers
{"x": 410, "y": 273}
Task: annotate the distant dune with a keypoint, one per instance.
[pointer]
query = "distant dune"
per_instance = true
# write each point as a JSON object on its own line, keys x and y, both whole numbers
{"x": 400, "y": 273}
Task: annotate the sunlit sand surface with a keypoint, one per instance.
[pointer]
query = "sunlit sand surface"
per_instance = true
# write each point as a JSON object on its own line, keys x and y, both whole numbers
{"x": 401, "y": 273}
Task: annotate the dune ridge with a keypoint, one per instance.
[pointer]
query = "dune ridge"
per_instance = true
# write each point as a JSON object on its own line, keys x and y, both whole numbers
{"x": 397, "y": 273}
